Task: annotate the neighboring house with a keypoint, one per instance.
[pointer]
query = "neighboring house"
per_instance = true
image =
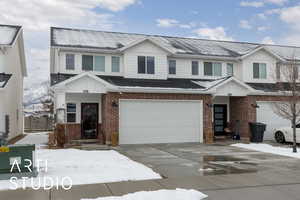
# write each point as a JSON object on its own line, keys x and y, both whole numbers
{"x": 160, "y": 89}
{"x": 12, "y": 72}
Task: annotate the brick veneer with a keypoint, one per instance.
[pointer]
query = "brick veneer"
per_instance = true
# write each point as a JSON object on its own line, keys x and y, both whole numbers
{"x": 110, "y": 114}
{"x": 74, "y": 132}
{"x": 243, "y": 109}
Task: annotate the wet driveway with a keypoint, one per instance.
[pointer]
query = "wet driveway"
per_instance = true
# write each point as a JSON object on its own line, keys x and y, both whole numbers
{"x": 175, "y": 160}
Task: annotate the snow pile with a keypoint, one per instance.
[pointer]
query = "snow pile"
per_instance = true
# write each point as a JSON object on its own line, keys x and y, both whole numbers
{"x": 266, "y": 148}
{"x": 178, "y": 194}
{"x": 39, "y": 139}
{"x": 7, "y": 34}
{"x": 86, "y": 167}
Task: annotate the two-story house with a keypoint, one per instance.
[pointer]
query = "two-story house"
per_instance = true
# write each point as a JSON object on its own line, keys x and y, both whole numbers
{"x": 160, "y": 89}
{"x": 12, "y": 73}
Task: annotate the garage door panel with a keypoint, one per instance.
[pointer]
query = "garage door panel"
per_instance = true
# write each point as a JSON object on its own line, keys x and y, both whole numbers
{"x": 160, "y": 121}
{"x": 265, "y": 114}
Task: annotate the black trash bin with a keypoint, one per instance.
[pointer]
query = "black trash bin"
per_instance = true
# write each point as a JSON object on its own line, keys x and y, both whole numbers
{"x": 257, "y": 131}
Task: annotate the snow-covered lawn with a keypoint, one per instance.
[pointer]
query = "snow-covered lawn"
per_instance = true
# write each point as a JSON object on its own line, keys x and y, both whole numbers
{"x": 266, "y": 148}
{"x": 87, "y": 167}
{"x": 178, "y": 194}
{"x": 40, "y": 139}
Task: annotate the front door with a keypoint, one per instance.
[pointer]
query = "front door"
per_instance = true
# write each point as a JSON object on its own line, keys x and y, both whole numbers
{"x": 220, "y": 119}
{"x": 89, "y": 120}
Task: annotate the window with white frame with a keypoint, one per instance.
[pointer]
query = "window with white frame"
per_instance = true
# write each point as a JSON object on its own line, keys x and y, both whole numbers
{"x": 212, "y": 69}
{"x": 172, "y": 66}
{"x": 146, "y": 64}
{"x": 87, "y": 62}
{"x": 70, "y": 61}
{"x": 71, "y": 112}
{"x": 229, "y": 69}
{"x": 99, "y": 63}
{"x": 195, "y": 68}
{"x": 115, "y": 64}
{"x": 259, "y": 70}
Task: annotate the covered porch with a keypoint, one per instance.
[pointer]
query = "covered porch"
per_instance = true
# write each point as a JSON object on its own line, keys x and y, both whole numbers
{"x": 79, "y": 109}
{"x": 232, "y": 109}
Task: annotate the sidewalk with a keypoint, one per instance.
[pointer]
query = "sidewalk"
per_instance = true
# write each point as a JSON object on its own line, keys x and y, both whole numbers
{"x": 265, "y": 185}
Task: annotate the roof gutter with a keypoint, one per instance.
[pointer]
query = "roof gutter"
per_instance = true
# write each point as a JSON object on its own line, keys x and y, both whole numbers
{"x": 221, "y": 58}
{"x": 88, "y": 50}
{"x": 162, "y": 90}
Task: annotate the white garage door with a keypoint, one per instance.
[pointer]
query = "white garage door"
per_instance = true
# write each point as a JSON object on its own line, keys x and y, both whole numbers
{"x": 265, "y": 114}
{"x": 160, "y": 121}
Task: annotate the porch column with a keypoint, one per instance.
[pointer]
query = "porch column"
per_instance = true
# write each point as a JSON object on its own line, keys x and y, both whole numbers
{"x": 60, "y": 105}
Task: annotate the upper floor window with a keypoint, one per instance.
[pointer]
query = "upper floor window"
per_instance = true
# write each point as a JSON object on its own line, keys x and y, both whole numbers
{"x": 195, "y": 68}
{"x": 87, "y": 62}
{"x": 71, "y": 112}
{"x": 115, "y": 64}
{"x": 172, "y": 66}
{"x": 212, "y": 69}
{"x": 229, "y": 69}
{"x": 99, "y": 63}
{"x": 259, "y": 70}
{"x": 146, "y": 64}
{"x": 70, "y": 61}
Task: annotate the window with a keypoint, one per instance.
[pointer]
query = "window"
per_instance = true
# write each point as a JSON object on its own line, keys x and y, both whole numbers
{"x": 172, "y": 66}
{"x": 146, "y": 65}
{"x": 71, "y": 112}
{"x": 212, "y": 69}
{"x": 87, "y": 63}
{"x": 70, "y": 61}
{"x": 259, "y": 70}
{"x": 99, "y": 63}
{"x": 195, "y": 68}
{"x": 229, "y": 69}
{"x": 115, "y": 64}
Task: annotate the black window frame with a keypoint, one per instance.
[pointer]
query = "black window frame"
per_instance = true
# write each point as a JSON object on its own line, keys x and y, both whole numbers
{"x": 146, "y": 64}
{"x": 195, "y": 68}
{"x": 70, "y": 57}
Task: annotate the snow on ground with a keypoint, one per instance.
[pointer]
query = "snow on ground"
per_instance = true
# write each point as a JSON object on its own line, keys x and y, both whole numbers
{"x": 266, "y": 148}
{"x": 40, "y": 139}
{"x": 86, "y": 167}
{"x": 178, "y": 194}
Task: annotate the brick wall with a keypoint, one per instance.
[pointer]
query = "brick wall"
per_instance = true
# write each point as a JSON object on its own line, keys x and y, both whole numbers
{"x": 110, "y": 114}
{"x": 243, "y": 109}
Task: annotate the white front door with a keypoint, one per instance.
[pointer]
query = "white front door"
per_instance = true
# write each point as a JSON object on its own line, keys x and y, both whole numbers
{"x": 265, "y": 114}
{"x": 160, "y": 121}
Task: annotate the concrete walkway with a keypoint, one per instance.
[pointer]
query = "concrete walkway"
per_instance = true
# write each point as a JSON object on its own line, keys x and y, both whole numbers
{"x": 273, "y": 186}
{"x": 232, "y": 174}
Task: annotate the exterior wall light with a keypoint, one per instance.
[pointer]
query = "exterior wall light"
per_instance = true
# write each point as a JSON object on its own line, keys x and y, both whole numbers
{"x": 114, "y": 104}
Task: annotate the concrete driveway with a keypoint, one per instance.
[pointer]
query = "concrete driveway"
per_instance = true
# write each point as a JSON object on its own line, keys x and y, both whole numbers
{"x": 178, "y": 160}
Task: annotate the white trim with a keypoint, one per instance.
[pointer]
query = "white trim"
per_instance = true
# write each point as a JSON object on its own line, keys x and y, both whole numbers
{"x": 167, "y": 100}
{"x": 262, "y": 48}
{"x": 62, "y": 84}
{"x": 144, "y": 40}
{"x": 162, "y": 90}
{"x": 214, "y": 87}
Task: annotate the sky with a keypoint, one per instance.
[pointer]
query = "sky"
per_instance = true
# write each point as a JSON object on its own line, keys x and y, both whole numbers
{"x": 262, "y": 21}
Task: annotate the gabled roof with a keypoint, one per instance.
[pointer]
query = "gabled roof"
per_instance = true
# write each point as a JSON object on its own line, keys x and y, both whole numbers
{"x": 116, "y": 41}
{"x": 8, "y": 34}
{"x": 265, "y": 49}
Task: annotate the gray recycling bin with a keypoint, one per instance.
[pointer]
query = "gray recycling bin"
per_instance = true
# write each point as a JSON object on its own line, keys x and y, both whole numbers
{"x": 257, "y": 131}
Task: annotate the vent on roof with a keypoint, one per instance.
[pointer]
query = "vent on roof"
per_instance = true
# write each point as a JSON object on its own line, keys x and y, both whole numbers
{"x": 119, "y": 45}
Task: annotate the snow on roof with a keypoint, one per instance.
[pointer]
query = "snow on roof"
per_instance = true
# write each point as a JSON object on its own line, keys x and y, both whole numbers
{"x": 79, "y": 38}
{"x": 8, "y": 34}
